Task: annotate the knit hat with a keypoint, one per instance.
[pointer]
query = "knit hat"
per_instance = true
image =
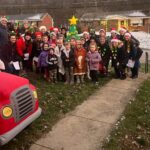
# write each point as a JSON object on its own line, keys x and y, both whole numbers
{"x": 85, "y": 32}
{"x": 113, "y": 30}
{"x": 42, "y": 27}
{"x": 52, "y": 34}
{"x": 38, "y": 34}
{"x": 123, "y": 29}
{"x": 114, "y": 40}
{"x": 127, "y": 34}
{"x": 12, "y": 33}
{"x": 102, "y": 30}
{"x": 55, "y": 29}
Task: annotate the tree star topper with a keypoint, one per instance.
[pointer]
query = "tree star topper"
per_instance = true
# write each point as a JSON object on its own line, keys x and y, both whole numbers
{"x": 73, "y": 20}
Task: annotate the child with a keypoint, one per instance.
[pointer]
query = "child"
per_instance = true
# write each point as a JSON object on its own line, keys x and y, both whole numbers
{"x": 42, "y": 60}
{"x": 80, "y": 62}
{"x": 67, "y": 56}
{"x": 52, "y": 61}
{"x": 93, "y": 58}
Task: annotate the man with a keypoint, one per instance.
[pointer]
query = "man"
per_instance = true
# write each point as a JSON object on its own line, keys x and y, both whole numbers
{"x": 3, "y": 31}
{"x": 10, "y": 56}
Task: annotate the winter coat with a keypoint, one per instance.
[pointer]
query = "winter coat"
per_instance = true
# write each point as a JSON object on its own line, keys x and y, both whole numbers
{"x": 60, "y": 63}
{"x": 24, "y": 47}
{"x": 105, "y": 52}
{"x": 9, "y": 53}
{"x": 42, "y": 59}
{"x": 68, "y": 61}
{"x": 52, "y": 61}
{"x": 122, "y": 56}
{"x": 36, "y": 49}
{"x": 130, "y": 49}
{"x": 3, "y": 35}
{"x": 80, "y": 61}
{"x": 93, "y": 59}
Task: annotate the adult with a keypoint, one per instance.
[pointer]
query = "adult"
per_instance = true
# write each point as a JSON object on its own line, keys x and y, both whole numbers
{"x": 133, "y": 54}
{"x": 3, "y": 31}
{"x": 36, "y": 50}
{"x": 10, "y": 56}
{"x": 105, "y": 52}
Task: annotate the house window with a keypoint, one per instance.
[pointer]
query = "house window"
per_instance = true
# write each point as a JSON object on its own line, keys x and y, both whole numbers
{"x": 122, "y": 22}
{"x": 136, "y": 22}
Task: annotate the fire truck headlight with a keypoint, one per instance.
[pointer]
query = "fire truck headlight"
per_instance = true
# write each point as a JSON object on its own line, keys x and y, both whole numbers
{"x": 7, "y": 112}
{"x": 35, "y": 94}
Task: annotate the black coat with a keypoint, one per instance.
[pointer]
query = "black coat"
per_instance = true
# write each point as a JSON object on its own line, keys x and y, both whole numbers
{"x": 119, "y": 55}
{"x": 68, "y": 62}
{"x": 9, "y": 53}
{"x": 3, "y": 35}
{"x": 36, "y": 48}
{"x": 52, "y": 61}
{"x": 105, "y": 52}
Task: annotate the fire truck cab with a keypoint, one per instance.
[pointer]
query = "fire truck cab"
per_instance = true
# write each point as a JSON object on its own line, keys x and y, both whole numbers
{"x": 18, "y": 106}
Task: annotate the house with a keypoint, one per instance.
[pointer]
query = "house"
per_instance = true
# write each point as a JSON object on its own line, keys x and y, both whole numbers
{"x": 37, "y": 19}
{"x": 139, "y": 21}
{"x": 134, "y": 21}
{"x": 105, "y": 21}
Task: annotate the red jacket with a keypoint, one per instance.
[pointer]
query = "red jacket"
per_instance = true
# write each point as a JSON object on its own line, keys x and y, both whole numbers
{"x": 22, "y": 47}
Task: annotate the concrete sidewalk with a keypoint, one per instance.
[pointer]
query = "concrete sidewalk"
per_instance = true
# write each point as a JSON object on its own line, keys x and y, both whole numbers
{"x": 90, "y": 123}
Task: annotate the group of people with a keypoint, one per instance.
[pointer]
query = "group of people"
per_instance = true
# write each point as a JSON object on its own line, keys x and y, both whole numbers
{"x": 48, "y": 53}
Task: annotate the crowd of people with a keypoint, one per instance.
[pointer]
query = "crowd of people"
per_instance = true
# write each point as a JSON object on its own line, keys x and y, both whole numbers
{"x": 47, "y": 52}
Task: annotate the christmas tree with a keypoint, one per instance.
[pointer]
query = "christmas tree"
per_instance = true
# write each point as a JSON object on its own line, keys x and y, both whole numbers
{"x": 73, "y": 33}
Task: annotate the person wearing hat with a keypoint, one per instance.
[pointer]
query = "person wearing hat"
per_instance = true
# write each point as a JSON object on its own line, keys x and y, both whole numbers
{"x": 24, "y": 48}
{"x": 3, "y": 31}
{"x": 134, "y": 54}
{"x": 10, "y": 56}
{"x": 118, "y": 55}
{"x": 105, "y": 52}
{"x": 36, "y": 49}
{"x": 122, "y": 32}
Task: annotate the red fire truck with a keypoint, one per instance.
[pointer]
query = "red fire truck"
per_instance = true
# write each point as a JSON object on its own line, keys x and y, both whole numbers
{"x": 18, "y": 106}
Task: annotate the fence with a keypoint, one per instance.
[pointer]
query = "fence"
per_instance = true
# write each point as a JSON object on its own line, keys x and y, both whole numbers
{"x": 146, "y": 62}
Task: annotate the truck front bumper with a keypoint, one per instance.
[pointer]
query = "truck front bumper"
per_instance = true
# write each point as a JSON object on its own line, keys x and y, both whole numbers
{"x": 5, "y": 138}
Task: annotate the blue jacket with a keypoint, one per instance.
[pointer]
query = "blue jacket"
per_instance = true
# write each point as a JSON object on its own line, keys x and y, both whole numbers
{"x": 3, "y": 35}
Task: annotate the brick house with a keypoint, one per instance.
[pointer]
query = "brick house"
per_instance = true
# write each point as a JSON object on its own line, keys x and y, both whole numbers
{"x": 37, "y": 19}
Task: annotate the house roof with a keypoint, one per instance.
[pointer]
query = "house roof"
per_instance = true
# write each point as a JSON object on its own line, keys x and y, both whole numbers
{"x": 113, "y": 15}
{"x": 137, "y": 14}
{"x": 29, "y": 17}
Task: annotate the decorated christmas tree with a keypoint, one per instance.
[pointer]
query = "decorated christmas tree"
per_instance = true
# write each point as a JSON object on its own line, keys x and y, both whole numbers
{"x": 73, "y": 33}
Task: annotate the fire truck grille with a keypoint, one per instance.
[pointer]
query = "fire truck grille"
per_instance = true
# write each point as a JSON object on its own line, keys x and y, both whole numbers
{"x": 23, "y": 102}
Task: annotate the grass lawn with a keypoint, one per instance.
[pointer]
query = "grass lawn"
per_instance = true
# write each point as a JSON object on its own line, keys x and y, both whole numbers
{"x": 132, "y": 132}
{"x": 55, "y": 101}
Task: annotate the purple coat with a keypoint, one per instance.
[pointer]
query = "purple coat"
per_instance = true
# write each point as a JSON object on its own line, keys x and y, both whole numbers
{"x": 42, "y": 59}
{"x": 93, "y": 59}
